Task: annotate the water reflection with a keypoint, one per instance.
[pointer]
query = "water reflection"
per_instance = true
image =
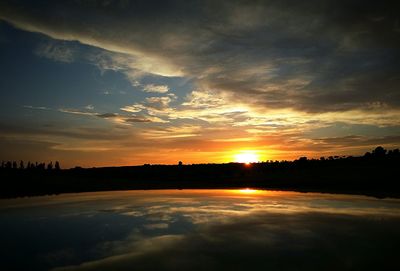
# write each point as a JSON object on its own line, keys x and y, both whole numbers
{"x": 199, "y": 230}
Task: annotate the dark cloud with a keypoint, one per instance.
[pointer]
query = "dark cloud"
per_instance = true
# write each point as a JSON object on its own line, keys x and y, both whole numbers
{"x": 137, "y": 120}
{"x": 59, "y": 131}
{"x": 314, "y": 56}
{"x": 128, "y": 119}
{"x": 354, "y": 140}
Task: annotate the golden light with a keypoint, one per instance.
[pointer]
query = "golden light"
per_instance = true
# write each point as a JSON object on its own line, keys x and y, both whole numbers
{"x": 246, "y": 157}
{"x": 248, "y": 191}
{"x": 245, "y": 192}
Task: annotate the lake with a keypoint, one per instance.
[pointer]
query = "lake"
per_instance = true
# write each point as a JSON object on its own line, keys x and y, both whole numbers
{"x": 199, "y": 230}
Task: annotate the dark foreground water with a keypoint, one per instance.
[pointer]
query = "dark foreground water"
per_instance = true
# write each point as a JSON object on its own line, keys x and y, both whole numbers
{"x": 199, "y": 230}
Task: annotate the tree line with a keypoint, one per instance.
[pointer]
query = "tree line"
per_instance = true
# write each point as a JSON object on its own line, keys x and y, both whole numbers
{"x": 375, "y": 173}
{"x": 377, "y": 153}
{"x": 30, "y": 165}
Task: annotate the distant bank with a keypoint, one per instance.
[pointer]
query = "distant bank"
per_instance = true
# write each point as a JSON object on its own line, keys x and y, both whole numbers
{"x": 375, "y": 174}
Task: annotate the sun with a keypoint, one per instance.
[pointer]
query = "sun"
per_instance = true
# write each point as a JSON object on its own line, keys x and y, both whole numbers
{"x": 246, "y": 157}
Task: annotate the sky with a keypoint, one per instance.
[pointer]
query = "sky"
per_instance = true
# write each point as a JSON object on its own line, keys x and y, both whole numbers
{"x": 96, "y": 83}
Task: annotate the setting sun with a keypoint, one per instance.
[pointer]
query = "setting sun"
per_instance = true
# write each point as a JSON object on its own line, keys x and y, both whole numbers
{"x": 246, "y": 157}
{"x": 248, "y": 191}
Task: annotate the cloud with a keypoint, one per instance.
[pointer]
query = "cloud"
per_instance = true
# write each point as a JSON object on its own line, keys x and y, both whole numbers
{"x": 155, "y": 106}
{"x": 133, "y": 108}
{"x": 354, "y": 140}
{"x": 36, "y": 107}
{"x": 58, "y": 51}
{"x": 130, "y": 118}
{"x": 316, "y": 56}
{"x": 110, "y": 116}
{"x": 172, "y": 132}
{"x": 107, "y": 115}
{"x": 158, "y": 103}
{"x": 133, "y": 119}
{"x": 155, "y": 88}
{"x": 42, "y": 132}
{"x": 156, "y": 226}
{"x": 75, "y": 111}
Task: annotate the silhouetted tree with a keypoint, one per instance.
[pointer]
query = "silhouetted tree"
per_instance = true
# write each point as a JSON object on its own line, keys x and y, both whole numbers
{"x": 394, "y": 153}
{"x": 50, "y": 166}
{"x": 57, "y": 166}
{"x": 379, "y": 152}
{"x": 21, "y": 165}
{"x": 14, "y": 165}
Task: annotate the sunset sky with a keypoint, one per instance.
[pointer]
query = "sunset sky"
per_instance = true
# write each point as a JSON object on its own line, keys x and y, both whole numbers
{"x": 95, "y": 83}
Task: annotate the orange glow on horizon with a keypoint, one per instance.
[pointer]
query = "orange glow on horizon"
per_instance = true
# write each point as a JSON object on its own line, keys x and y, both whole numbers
{"x": 247, "y": 157}
{"x": 248, "y": 191}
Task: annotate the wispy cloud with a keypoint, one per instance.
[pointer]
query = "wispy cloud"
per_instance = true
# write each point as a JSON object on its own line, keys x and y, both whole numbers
{"x": 133, "y": 108}
{"x": 155, "y": 88}
{"x": 107, "y": 115}
{"x": 75, "y": 111}
{"x": 36, "y": 107}
{"x": 58, "y": 51}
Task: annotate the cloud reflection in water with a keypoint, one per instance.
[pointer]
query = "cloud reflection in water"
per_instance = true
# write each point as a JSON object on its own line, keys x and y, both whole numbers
{"x": 213, "y": 230}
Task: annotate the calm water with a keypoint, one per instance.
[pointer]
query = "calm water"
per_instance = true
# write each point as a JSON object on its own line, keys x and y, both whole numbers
{"x": 199, "y": 230}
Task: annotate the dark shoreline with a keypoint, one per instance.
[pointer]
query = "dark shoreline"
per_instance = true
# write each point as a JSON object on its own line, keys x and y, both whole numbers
{"x": 374, "y": 174}
{"x": 370, "y": 175}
